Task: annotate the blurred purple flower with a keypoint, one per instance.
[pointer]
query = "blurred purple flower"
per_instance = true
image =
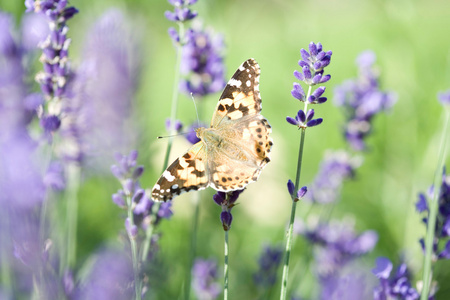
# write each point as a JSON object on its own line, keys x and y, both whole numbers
{"x": 268, "y": 262}
{"x": 98, "y": 115}
{"x": 111, "y": 278}
{"x": 362, "y": 99}
{"x": 204, "y": 279}
{"x": 351, "y": 286}
{"x": 54, "y": 77}
{"x": 182, "y": 13}
{"x": 333, "y": 170}
{"x": 54, "y": 177}
{"x": 129, "y": 174}
{"x": 202, "y": 62}
{"x": 337, "y": 244}
{"x": 176, "y": 125}
{"x": 442, "y": 229}
{"x": 397, "y": 286}
{"x": 444, "y": 98}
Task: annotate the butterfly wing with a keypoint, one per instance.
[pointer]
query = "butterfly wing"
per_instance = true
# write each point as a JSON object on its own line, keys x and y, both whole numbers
{"x": 245, "y": 146}
{"x": 241, "y": 95}
{"x": 188, "y": 172}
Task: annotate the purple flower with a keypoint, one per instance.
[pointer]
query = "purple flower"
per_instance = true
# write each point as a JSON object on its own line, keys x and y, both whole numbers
{"x": 129, "y": 174}
{"x": 296, "y": 195}
{"x": 98, "y": 115}
{"x": 303, "y": 120}
{"x": 176, "y": 125}
{"x": 333, "y": 170}
{"x": 54, "y": 177}
{"x": 397, "y": 286}
{"x": 191, "y": 134}
{"x": 202, "y": 63}
{"x": 111, "y": 277}
{"x": 442, "y": 229}
{"x": 268, "y": 262}
{"x": 204, "y": 279}
{"x": 227, "y": 202}
{"x": 444, "y": 98}
{"x": 181, "y": 13}
{"x": 337, "y": 244}
{"x": 362, "y": 99}
{"x": 54, "y": 77}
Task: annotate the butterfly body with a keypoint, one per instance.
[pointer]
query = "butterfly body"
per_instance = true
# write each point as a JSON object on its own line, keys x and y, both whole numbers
{"x": 232, "y": 151}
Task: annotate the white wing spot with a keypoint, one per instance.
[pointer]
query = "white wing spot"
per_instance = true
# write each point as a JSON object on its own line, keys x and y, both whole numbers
{"x": 234, "y": 82}
{"x": 156, "y": 187}
{"x": 174, "y": 187}
{"x": 248, "y": 83}
{"x": 168, "y": 191}
{"x": 168, "y": 176}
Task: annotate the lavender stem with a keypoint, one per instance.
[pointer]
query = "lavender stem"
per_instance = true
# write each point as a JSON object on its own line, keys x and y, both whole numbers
{"x": 427, "y": 274}
{"x": 225, "y": 268}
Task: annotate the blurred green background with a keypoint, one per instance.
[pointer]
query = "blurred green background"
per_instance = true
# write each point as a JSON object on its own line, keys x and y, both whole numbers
{"x": 411, "y": 41}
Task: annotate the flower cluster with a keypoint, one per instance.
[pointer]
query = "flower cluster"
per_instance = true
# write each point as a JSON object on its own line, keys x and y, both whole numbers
{"x": 334, "y": 169}
{"x": 442, "y": 229}
{"x": 181, "y": 14}
{"x": 204, "y": 279}
{"x": 397, "y": 286}
{"x": 227, "y": 202}
{"x": 53, "y": 79}
{"x": 362, "y": 99}
{"x": 337, "y": 244}
{"x": 202, "y": 62}
{"x": 303, "y": 120}
{"x": 132, "y": 193}
{"x": 313, "y": 64}
{"x": 269, "y": 261}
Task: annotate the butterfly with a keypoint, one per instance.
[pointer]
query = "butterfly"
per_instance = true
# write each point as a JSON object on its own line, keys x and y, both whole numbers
{"x": 235, "y": 148}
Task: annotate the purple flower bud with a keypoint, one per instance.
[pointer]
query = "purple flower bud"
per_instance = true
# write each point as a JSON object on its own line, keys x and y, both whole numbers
{"x": 307, "y": 72}
{"x": 115, "y": 170}
{"x": 314, "y": 122}
{"x": 302, "y": 192}
{"x": 171, "y": 16}
{"x": 297, "y": 92}
{"x": 219, "y": 198}
{"x": 174, "y": 35}
{"x": 299, "y": 76}
{"x": 68, "y": 13}
{"x": 233, "y": 196}
{"x": 321, "y": 100}
{"x": 128, "y": 186}
{"x": 445, "y": 254}
{"x": 226, "y": 219}
{"x": 313, "y": 49}
{"x": 383, "y": 268}
{"x": 446, "y": 227}
{"x": 325, "y": 78}
{"x": 144, "y": 204}
{"x": 304, "y": 54}
{"x": 132, "y": 158}
{"x": 421, "y": 204}
{"x": 68, "y": 282}
{"x": 132, "y": 229}
{"x": 170, "y": 125}
{"x": 50, "y": 123}
{"x": 292, "y": 121}
{"x": 137, "y": 172}
{"x": 319, "y": 92}
{"x": 138, "y": 195}
{"x": 309, "y": 115}
{"x": 291, "y": 187}
{"x": 165, "y": 211}
{"x": 301, "y": 117}
{"x": 118, "y": 199}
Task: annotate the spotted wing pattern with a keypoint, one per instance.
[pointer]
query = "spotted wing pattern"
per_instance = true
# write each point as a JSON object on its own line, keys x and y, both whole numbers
{"x": 233, "y": 151}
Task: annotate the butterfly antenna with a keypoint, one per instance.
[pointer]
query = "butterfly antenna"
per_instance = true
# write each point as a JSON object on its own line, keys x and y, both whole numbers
{"x": 195, "y": 106}
{"x": 172, "y": 135}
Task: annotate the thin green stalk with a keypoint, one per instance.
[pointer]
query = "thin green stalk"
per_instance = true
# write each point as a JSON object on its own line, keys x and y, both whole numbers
{"x": 225, "y": 268}
{"x": 287, "y": 254}
{"x": 72, "y": 212}
{"x": 193, "y": 249}
{"x": 427, "y": 272}
{"x": 173, "y": 116}
{"x": 134, "y": 256}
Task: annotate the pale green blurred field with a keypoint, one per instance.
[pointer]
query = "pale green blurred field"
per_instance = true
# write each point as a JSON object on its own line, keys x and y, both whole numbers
{"x": 411, "y": 41}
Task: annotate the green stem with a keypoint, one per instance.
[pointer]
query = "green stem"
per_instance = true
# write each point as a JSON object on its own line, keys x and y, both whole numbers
{"x": 72, "y": 212}
{"x": 433, "y": 204}
{"x": 173, "y": 116}
{"x": 193, "y": 249}
{"x": 225, "y": 268}
{"x": 287, "y": 253}
{"x": 134, "y": 256}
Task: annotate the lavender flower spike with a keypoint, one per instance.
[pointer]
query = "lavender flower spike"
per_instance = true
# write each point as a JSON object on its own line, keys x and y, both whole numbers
{"x": 204, "y": 279}
{"x": 53, "y": 79}
{"x": 444, "y": 98}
